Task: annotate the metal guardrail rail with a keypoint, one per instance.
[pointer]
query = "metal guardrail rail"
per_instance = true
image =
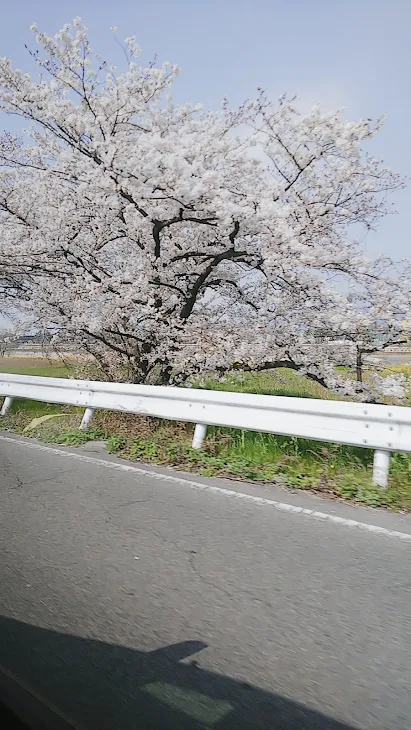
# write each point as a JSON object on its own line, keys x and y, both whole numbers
{"x": 379, "y": 427}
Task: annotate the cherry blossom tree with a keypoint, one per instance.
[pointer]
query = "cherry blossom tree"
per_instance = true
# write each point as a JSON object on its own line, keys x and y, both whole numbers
{"x": 168, "y": 241}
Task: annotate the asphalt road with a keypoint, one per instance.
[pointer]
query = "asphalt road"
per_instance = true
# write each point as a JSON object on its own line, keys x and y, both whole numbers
{"x": 129, "y": 602}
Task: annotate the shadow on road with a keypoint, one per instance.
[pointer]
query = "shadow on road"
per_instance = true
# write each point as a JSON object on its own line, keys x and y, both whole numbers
{"x": 109, "y": 687}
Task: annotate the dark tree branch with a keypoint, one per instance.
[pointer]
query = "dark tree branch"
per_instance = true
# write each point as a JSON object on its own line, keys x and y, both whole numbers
{"x": 228, "y": 255}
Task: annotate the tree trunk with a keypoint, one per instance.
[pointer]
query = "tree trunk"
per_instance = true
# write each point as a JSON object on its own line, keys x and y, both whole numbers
{"x": 359, "y": 365}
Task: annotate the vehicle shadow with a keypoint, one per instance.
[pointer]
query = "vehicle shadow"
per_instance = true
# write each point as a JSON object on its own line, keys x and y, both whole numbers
{"x": 100, "y": 686}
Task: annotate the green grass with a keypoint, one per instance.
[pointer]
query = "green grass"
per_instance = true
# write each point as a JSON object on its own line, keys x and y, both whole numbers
{"x": 280, "y": 382}
{"x": 28, "y": 366}
{"x": 22, "y": 408}
{"x": 329, "y": 469}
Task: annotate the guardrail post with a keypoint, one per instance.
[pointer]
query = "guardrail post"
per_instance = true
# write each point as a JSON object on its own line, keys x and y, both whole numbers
{"x": 199, "y": 435}
{"x": 88, "y": 415}
{"x": 6, "y": 405}
{"x": 381, "y": 468}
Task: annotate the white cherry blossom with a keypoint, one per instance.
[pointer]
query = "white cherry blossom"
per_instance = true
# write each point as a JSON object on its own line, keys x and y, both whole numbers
{"x": 155, "y": 237}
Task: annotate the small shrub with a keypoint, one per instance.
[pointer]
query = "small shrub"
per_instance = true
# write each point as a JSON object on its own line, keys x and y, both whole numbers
{"x": 71, "y": 437}
{"x": 115, "y": 444}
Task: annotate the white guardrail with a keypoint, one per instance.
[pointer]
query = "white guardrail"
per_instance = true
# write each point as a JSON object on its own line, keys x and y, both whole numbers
{"x": 379, "y": 427}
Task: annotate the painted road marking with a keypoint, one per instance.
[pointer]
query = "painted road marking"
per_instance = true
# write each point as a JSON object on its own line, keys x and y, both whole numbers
{"x": 221, "y": 491}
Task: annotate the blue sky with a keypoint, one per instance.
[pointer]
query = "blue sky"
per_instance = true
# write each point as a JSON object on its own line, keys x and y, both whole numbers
{"x": 350, "y": 53}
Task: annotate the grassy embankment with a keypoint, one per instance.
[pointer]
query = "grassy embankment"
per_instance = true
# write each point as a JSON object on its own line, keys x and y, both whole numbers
{"x": 332, "y": 470}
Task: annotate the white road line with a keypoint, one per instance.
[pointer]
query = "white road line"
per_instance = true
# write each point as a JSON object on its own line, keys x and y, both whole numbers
{"x": 253, "y": 499}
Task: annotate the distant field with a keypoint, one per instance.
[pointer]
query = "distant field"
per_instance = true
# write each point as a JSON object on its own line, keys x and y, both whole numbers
{"x": 34, "y": 366}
